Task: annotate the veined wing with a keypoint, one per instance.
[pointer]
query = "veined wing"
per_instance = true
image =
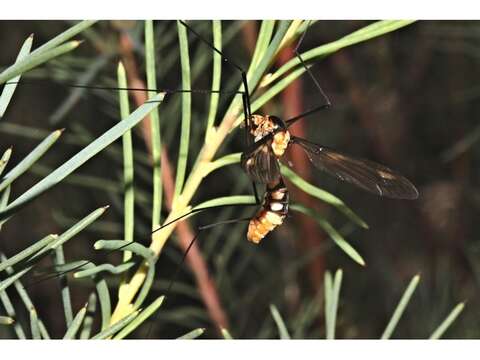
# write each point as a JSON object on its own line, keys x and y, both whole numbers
{"x": 260, "y": 163}
{"x": 366, "y": 174}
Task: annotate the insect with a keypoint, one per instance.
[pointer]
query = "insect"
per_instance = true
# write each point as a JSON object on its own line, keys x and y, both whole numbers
{"x": 261, "y": 163}
{"x": 272, "y": 138}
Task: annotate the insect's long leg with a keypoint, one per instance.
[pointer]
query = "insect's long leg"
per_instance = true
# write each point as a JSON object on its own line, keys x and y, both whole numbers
{"x": 327, "y": 103}
{"x": 247, "y": 109}
{"x": 245, "y": 96}
{"x": 317, "y": 84}
{"x": 179, "y": 266}
{"x": 108, "y": 88}
{"x": 248, "y": 143}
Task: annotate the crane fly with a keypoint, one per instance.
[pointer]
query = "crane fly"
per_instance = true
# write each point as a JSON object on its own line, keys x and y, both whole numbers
{"x": 272, "y": 138}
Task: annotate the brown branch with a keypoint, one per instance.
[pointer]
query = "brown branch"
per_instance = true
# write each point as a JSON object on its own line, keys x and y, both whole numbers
{"x": 249, "y": 36}
{"x": 310, "y": 237}
{"x": 206, "y": 286}
{"x": 195, "y": 260}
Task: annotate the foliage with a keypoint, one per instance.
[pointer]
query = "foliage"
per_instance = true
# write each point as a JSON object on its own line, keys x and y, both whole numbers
{"x": 125, "y": 289}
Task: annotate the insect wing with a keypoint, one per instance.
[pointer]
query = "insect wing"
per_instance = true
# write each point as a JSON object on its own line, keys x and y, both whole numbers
{"x": 366, "y": 174}
{"x": 260, "y": 163}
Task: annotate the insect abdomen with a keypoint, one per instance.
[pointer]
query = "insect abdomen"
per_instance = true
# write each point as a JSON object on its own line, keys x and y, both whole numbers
{"x": 273, "y": 212}
{"x": 262, "y": 224}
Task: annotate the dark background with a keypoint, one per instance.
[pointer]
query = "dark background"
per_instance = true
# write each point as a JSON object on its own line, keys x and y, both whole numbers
{"x": 407, "y": 99}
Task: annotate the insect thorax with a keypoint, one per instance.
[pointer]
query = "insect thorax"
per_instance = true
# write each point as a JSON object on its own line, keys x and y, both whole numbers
{"x": 261, "y": 126}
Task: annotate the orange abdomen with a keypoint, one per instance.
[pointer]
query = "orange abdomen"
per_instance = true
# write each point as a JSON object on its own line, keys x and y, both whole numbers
{"x": 264, "y": 222}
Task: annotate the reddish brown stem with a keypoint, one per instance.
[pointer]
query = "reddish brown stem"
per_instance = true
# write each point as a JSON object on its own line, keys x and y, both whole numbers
{"x": 292, "y": 100}
{"x": 249, "y": 32}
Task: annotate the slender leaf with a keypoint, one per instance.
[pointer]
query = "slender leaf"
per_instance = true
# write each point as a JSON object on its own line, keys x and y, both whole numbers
{"x": 282, "y": 328}
{"x": 4, "y": 199}
{"x": 330, "y": 230}
{"x": 134, "y": 247}
{"x": 7, "y": 304}
{"x": 30, "y": 159}
{"x": 43, "y": 330}
{"x": 104, "y": 268}
{"x": 128, "y": 187}
{"x": 75, "y": 324}
{"x": 88, "y": 321}
{"x": 233, "y": 200}
{"x": 35, "y": 59}
{"x": 6, "y": 320}
{"x": 322, "y": 195}
{"x": 28, "y": 252}
{"x": 10, "y": 280}
{"x": 440, "y": 330}
{"x": 65, "y": 290}
{"x": 103, "y": 296}
{"x": 34, "y": 327}
{"x": 216, "y": 77}
{"x": 71, "y": 232}
{"x": 8, "y": 90}
{"x": 223, "y": 161}
{"x": 64, "y": 36}
{"x": 79, "y": 226}
{"x": 144, "y": 315}
{"x": 264, "y": 37}
{"x": 113, "y": 329}
{"x": 332, "y": 294}
{"x": 226, "y": 334}
{"x": 192, "y": 334}
{"x": 4, "y": 159}
{"x": 154, "y": 125}
{"x": 397, "y": 314}
{"x": 15, "y": 278}
{"x": 186, "y": 110}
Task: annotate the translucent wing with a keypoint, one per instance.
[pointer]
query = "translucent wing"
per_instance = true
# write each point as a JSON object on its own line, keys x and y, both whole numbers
{"x": 260, "y": 163}
{"x": 366, "y": 174}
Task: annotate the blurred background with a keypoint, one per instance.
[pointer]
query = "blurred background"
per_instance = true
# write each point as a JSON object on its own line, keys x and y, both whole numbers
{"x": 408, "y": 99}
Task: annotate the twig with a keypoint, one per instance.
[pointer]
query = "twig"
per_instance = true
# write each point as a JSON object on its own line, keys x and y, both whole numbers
{"x": 292, "y": 100}
{"x": 206, "y": 286}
